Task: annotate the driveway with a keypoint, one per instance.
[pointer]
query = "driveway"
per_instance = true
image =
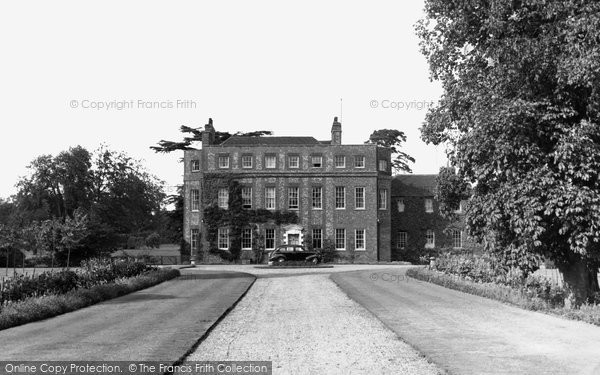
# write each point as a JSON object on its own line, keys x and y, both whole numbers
{"x": 160, "y": 323}
{"x": 466, "y": 334}
{"x": 302, "y": 322}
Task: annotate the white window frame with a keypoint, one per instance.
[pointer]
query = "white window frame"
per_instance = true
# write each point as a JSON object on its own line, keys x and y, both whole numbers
{"x": 269, "y": 230}
{"x": 195, "y": 165}
{"x": 358, "y": 158}
{"x": 363, "y": 234}
{"x": 296, "y": 158}
{"x": 402, "y": 240}
{"x": 245, "y": 232}
{"x": 223, "y": 161}
{"x": 270, "y": 201}
{"x": 455, "y": 238}
{"x": 223, "y": 198}
{"x": 314, "y": 163}
{"x": 338, "y": 231}
{"x": 382, "y": 204}
{"x": 401, "y": 205}
{"x": 337, "y": 163}
{"x": 223, "y": 234}
{"x": 246, "y": 158}
{"x": 317, "y": 238}
{"x": 270, "y": 161}
{"x": 429, "y": 239}
{"x": 382, "y": 165}
{"x": 362, "y": 198}
{"x": 428, "y": 205}
{"x": 195, "y": 200}
{"x": 340, "y": 198}
{"x": 247, "y": 196}
{"x": 296, "y": 195}
{"x": 317, "y": 198}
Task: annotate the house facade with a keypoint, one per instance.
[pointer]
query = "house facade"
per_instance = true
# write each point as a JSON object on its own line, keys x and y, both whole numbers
{"x": 340, "y": 193}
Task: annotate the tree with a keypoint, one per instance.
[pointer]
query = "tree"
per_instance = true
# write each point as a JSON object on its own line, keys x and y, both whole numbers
{"x": 520, "y": 116}
{"x": 195, "y": 135}
{"x": 393, "y": 139}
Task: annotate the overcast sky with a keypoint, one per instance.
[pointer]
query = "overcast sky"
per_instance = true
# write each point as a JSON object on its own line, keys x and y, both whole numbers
{"x": 260, "y": 65}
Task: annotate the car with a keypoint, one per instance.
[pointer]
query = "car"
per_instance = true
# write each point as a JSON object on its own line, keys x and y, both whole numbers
{"x": 296, "y": 253}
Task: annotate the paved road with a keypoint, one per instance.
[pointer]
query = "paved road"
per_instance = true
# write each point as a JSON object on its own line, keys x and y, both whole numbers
{"x": 466, "y": 334}
{"x": 160, "y": 323}
{"x": 302, "y": 322}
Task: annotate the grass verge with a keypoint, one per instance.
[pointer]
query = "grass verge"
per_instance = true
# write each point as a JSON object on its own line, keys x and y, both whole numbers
{"x": 37, "y": 308}
{"x": 586, "y": 313}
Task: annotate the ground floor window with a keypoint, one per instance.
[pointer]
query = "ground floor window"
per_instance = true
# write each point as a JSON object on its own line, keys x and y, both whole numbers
{"x": 317, "y": 238}
{"x": 194, "y": 238}
{"x": 402, "y": 237}
{"x": 359, "y": 243}
{"x": 269, "y": 238}
{"x": 429, "y": 239}
{"x": 223, "y": 239}
{"x": 340, "y": 239}
{"x": 456, "y": 238}
{"x": 246, "y": 239}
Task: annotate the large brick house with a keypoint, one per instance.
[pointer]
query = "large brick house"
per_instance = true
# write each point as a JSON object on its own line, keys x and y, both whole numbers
{"x": 339, "y": 192}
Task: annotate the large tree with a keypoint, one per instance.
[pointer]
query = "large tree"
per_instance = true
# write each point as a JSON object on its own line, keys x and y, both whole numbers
{"x": 520, "y": 115}
{"x": 393, "y": 139}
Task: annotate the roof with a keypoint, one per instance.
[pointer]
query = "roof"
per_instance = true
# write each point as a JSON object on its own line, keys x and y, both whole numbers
{"x": 269, "y": 141}
{"x": 414, "y": 185}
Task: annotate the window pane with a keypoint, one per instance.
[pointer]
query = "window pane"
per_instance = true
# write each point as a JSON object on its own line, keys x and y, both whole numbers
{"x": 430, "y": 239}
{"x": 294, "y": 161}
{"x": 247, "y": 239}
{"x": 195, "y": 200}
{"x": 223, "y": 198}
{"x": 270, "y": 198}
{"x": 247, "y": 197}
{"x": 247, "y": 161}
{"x": 456, "y": 238}
{"x": 383, "y": 165}
{"x": 270, "y": 161}
{"x": 359, "y": 200}
{"x": 269, "y": 238}
{"x": 317, "y": 161}
{"x": 359, "y": 161}
{"x": 317, "y": 197}
{"x": 317, "y": 238}
{"x": 194, "y": 238}
{"x": 340, "y": 161}
{"x": 402, "y": 237}
{"x": 429, "y": 205}
{"x": 223, "y": 161}
{"x": 400, "y": 204}
{"x": 195, "y": 165}
{"x": 340, "y": 239}
{"x": 293, "y": 198}
{"x": 223, "y": 241}
{"x": 382, "y": 199}
{"x": 360, "y": 239}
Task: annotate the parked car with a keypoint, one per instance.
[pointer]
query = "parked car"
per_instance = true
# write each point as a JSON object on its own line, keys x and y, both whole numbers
{"x": 285, "y": 253}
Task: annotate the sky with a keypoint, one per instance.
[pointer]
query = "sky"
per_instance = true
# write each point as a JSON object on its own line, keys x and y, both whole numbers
{"x": 128, "y": 74}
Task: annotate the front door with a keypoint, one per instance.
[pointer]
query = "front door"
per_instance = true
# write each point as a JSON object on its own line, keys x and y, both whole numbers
{"x": 293, "y": 239}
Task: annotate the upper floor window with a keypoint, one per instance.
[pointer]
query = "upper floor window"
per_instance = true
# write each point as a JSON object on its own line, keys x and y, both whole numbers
{"x": 400, "y": 204}
{"x": 223, "y": 161}
{"x": 429, "y": 239}
{"x": 246, "y": 161}
{"x": 270, "y": 198}
{"x": 294, "y": 161}
{"x": 195, "y": 199}
{"x": 317, "y": 161}
{"x": 270, "y": 161}
{"x": 383, "y": 165}
{"x": 223, "y": 201}
{"x": 340, "y": 161}
{"x": 293, "y": 203}
{"x": 195, "y": 165}
{"x": 317, "y": 197}
{"x": 247, "y": 197}
{"x": 429, "y": 205}
{"x": 382, "y": 199}
{"x": 359, "y": 198}
{"x": 340, "y": 197}
{"x": 359, "y": 161}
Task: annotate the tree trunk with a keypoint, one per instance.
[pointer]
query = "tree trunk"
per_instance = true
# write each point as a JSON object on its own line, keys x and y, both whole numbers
{"x": 580, "y": 282}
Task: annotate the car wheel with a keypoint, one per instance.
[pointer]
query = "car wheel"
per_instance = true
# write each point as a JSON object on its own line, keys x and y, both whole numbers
{"x": 280, "y": 260}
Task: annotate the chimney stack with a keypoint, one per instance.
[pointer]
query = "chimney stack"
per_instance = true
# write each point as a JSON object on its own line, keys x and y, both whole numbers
{"x": 336, "y": 132}
{"x": 208, "y": 135}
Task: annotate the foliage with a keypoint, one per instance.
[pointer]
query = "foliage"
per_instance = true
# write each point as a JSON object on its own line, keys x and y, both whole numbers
{"x": 93, "y": 272}
{"x": 450, "y": 191}
{"x": 393, "y": 140}
{"x": 520, "y": 114}
{"x": 48, "y": 305}
{"x": 153, "y": 240}
{"x": 195, "y": 135}
{"x": 328, "y": 252}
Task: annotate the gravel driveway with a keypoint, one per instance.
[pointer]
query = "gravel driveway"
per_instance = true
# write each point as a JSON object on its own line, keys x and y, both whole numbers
{"x": 306, "y": 325}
